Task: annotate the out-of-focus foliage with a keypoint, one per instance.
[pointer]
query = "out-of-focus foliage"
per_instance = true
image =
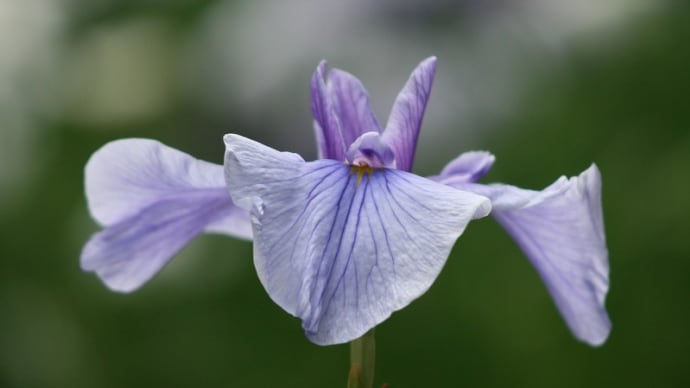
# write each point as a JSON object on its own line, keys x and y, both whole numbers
{"x": 89, "y": 72}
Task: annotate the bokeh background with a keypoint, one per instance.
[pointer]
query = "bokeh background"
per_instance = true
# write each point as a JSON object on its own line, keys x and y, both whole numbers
{"x": 548, "y": 86}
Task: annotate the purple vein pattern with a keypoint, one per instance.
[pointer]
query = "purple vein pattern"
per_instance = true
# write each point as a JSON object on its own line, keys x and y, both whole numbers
{"x": 341, "y": 250}
{"x": 345, "y": 241}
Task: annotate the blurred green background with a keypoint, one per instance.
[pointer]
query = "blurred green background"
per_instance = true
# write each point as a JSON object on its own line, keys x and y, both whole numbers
{"x": 549, "y": 87}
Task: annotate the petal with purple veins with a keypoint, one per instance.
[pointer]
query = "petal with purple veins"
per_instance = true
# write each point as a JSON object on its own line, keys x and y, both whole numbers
{"x": 351, "y": 105}
{"x": 405, "y": 121}
{"x": 343, "y": 247}
{"x": 561, "y": 231}
{"x": 326, "y": 122}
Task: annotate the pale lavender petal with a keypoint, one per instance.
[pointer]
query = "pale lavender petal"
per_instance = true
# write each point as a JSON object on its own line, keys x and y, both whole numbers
{"x": 561, "y": 231}
{"x": 503, "y": 197}
{"x": 125, "y": 176}
{"x": 128, "y": 253}
{"x": 230, "y": 220}
{"x": 339, "y": 247}
{"x": 242, "y": 154}
{"x": 351, "y": 104}
{"x": 469, "y": 166}
{"x": 406, "y": 116}
{"x": 152, "y": 199}
{"x": 326, "y": 122}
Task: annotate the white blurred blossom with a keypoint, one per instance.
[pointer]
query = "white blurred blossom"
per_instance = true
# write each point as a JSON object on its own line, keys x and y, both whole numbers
{"x": 30, "y": 40}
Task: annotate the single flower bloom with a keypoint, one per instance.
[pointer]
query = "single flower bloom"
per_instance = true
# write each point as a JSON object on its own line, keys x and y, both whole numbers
{"x": 561, "y": 231}
{"x": 151, "y": 200}
{"x": 344, "y": 241}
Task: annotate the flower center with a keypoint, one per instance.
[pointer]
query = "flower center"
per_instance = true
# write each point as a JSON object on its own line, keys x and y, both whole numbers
{"x": 360, "y": 170}
{"x": 368, "y": 150}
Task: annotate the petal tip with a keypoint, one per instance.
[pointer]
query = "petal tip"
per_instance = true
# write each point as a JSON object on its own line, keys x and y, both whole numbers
{"x": 598, "y": 336}
{"x": 430, "y": 61}
{"x": 321, "y": 71}
{"x": 233, "y": 141}
{"x": 429, "y": 65}
{"x": 89, "y": 262}
{"x": 229, "y": 138}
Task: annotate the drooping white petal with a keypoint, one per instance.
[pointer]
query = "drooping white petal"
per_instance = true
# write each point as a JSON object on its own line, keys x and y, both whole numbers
{"x": 561, "y": 231}
{"x": 341, "y": 247}
{"x": 152, "y": 200}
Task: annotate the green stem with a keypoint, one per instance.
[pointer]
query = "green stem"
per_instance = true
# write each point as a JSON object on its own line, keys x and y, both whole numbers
{"x": 362, "y": 357}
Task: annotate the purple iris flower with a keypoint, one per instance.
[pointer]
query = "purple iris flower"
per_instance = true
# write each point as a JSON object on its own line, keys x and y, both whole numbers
{"x": 152, "y": 200}
{"x": 345, "y": 241}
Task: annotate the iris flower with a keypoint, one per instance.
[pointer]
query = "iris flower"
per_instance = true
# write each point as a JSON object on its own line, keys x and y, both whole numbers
{"x": 344, "y": 241}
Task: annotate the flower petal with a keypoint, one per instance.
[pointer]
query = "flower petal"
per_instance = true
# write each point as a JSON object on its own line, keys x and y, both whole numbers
{"x": 351, "y": 104}
{"x": 129, "y": 253}
{"x": 406, "y": 116}
{"x": 468, "y": 167}
{"x": 152, "y": 199}
{"x": 125, "y": 176}
{"x": 326, "y": 122}
{"x": 561, "y": 231}
{"x": 342, "y": 247}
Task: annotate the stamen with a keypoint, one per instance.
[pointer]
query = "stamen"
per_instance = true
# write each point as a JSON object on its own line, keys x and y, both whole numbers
{"x": 361, "y": 169}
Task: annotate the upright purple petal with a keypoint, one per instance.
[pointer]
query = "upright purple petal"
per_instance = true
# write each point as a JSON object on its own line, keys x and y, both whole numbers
{"x": 561, "y": 231}
{"x": 326, "y": 122}
{"x": 406, "y": 116}
{"x": 152, "y": 200}
{"x": 342, "y": 247}
{"x": 351, "y": 104}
